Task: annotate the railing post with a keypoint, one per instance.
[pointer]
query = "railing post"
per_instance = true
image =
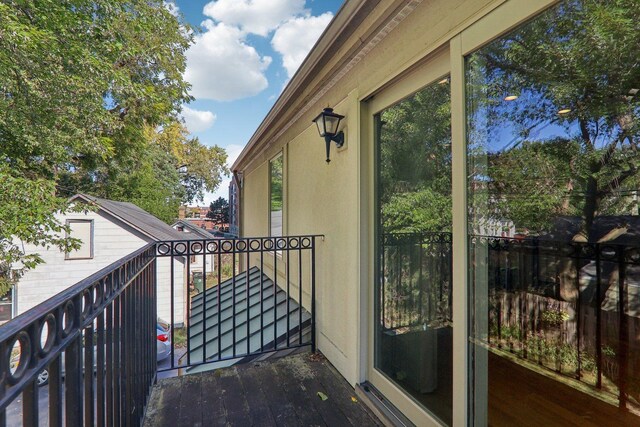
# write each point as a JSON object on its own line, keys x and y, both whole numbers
{"x": 55, "y": 392}
{"x": 188, "y": 317}
{"x": 598, "y": 317}
{"x": 73, "y": 368}
{"x": 313, "y": 294}
{"x": 247, "y": 296}
{"x": 623, "y": 345}
{"x": 30, "y": 393}
{"x": 204, "y": 299}
{"x": 30, "y": 405}
{"x": 172, "y": 300}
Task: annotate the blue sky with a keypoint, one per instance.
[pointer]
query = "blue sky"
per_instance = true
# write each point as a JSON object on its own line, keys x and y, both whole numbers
{"x": 244, "y": 54}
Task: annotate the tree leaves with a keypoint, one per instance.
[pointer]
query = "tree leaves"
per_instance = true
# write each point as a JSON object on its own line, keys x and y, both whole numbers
{"x": 79, "y": 81}
{"x": 574, "y": 70}
{"x": 219, "y": 211}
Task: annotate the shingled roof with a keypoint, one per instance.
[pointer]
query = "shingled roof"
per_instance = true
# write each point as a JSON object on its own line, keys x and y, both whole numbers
{"x": 200, "y": 232}
{"x": 136, "y": 218}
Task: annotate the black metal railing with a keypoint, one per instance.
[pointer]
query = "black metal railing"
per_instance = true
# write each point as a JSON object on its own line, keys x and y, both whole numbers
{"x": 570, "y": 307}
{"x": 244, "y": 297}
{"x": 96, "y": 342}
{"x": 231, "y": 299}
{"x": 415, "y": 280}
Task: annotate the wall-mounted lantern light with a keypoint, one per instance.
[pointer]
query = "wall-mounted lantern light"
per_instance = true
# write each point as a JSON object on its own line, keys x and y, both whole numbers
{"x": 328, "y": 123}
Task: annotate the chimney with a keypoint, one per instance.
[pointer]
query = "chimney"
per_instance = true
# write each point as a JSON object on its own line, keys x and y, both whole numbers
{"x": 182, "y": 212}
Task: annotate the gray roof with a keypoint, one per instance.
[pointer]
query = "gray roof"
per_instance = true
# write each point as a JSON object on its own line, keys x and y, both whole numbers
{"x": 203, "y": 234}
{"x": 270, "y": 313}
{"x": 135, "y": 217}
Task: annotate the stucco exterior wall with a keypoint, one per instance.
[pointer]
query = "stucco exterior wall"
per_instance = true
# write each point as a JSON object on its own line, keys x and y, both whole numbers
{"x": 336, "y": 199}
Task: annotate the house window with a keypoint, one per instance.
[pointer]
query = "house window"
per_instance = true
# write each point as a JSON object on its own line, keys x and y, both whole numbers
{"x": 82, "y": 230}
{"x": 276, "y": 200}
{"x": 553, "y": 125}
{"x": 6, "y": 305}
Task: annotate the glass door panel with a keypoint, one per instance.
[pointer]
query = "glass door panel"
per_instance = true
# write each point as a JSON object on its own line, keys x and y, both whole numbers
{"x": 412, "y": 313}
{"x": 553, "y": 126}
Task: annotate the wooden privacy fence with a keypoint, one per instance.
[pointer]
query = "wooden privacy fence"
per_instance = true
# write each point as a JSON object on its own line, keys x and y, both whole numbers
{"x": 570, "y": 307}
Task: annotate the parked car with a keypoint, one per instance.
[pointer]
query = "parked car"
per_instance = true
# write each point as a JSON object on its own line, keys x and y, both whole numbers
{"x": 163, "y": 343}
{"x": 163, "y": 340}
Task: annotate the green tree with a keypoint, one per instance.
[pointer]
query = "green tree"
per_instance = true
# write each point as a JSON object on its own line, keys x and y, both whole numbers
{"x": 168, "y": 169}
{"x": 27, "y": 215}
{"x": 415, "y": 162}
{"x": 79, "y": 80}
{"x": 151, "y": 182}
{"x": 573, "y": 67}
{"x": 200, "y": 167}
{"x": 219, "y": 211}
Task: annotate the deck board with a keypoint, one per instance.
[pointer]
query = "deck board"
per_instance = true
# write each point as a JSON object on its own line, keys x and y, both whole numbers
{"x": 280, "y": 392}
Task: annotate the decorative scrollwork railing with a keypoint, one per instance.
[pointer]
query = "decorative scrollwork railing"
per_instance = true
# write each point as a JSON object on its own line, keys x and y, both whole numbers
{"x": 246, "y": 296}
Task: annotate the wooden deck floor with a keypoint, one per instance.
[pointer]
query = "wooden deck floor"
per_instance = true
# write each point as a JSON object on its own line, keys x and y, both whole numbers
{"x": 275, "y": 392}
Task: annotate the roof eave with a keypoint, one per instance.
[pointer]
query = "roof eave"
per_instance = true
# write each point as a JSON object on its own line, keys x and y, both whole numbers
{"x": 307, "y": 71}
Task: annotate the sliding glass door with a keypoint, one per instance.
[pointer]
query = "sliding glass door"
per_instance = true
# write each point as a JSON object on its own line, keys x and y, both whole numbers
{"x": 412, "y": 301}
{"x": 553, "y": 127}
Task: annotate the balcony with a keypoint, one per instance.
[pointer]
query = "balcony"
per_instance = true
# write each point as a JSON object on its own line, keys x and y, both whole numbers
{"x": 302, "y": 389}
{"x": 257, "y": 303}
{"x": 560, "y": 322}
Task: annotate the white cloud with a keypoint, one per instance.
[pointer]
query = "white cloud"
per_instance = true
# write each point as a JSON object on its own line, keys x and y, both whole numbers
{"x": 222, "y": 67}
{"x": 197, "y": 120}
{"x": 295, "y": 38}
{"x": 233, "y": 151}
{"x": 172, "y": 8}
{"x": 254, "y": 16}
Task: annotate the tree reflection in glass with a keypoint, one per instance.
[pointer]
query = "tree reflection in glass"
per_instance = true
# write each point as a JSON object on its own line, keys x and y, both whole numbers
{"x": 553, "y": 127}
{"x": 414, "y": 328}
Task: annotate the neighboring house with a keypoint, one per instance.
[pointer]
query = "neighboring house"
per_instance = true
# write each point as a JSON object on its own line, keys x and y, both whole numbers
{"x": 391, "y": 69}
{"x": 112, "y": 231}
{"x": 197, "y": 215}
{"x": 196, "y": 264}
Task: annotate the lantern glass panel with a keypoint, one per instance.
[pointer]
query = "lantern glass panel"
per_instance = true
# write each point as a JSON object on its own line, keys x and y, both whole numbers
{"x": 319, "y": 122}
{"x": 331, "y": 124}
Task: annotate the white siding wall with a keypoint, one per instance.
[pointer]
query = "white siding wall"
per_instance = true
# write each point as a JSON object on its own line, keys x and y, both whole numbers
{"x": 112, "y": 241}
{"x": 196, "y": 263}
{"x": 164, "y": 290}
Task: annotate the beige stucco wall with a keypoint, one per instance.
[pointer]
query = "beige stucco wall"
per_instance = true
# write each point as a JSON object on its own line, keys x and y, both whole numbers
{"x": 255, "y": 204}
{"x": 335, "y": 200}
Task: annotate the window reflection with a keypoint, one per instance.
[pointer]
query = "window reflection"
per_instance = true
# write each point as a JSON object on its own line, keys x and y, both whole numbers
{"x": 413, "y": 312}
{"x": 553, "y": 132}
{"x": 275, "y": 196}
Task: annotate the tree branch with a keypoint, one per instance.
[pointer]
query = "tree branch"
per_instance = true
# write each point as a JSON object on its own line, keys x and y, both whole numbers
{"x": 616, "y": 182}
